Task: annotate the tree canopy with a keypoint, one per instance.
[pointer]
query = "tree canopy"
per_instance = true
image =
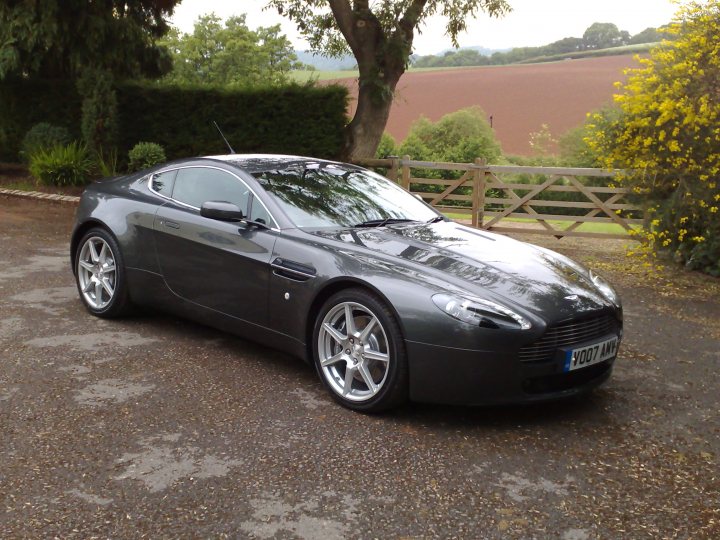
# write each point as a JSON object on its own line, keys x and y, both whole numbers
{"x": 604, "y": 36}
{"x": 58, "y": 39}
{"x": 380, "y": 36}
{"x": 667, "y": 134}
{"x": 230, "y": 53}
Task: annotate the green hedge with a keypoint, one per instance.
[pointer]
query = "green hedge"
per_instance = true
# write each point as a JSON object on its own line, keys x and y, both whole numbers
{"x": 296, "y": 119}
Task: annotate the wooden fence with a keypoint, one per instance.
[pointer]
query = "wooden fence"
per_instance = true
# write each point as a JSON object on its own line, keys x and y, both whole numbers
{"x": 491, "y": 196}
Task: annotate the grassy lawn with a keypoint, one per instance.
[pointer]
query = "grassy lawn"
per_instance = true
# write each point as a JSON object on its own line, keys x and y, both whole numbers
{"x": 302, "y": 76}
{"x": 607, "y": 228}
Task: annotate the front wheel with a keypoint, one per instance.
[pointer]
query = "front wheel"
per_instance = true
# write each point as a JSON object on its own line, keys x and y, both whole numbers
{"x": 359, "y": 352}
{"x": 100, "y": 275}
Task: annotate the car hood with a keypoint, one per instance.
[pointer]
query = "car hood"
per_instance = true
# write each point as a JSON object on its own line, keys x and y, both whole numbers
{"x": 483, "y": 264}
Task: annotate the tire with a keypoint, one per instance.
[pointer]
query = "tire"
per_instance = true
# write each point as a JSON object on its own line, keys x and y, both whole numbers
{"x": 100, "y": 275}
{"x": 364, "y": 369}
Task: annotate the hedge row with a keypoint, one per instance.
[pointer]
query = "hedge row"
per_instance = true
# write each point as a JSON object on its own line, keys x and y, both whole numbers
{"x": 296, "y": 119}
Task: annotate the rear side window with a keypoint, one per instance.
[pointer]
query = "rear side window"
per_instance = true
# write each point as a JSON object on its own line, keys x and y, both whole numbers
{"x": 196, "y": 185}
{"x": 163, "y": 182}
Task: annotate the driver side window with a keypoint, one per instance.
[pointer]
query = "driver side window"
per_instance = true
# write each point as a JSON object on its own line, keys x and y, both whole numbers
{"x": 196, "y": 185}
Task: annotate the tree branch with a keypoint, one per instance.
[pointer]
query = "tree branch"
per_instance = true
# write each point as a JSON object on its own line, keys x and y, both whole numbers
{"x": 342, "y": 11}
{"x": 411, "y": 17}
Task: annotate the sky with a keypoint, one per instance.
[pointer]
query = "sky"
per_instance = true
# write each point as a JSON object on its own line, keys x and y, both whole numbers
{"x": 531, "y": 23}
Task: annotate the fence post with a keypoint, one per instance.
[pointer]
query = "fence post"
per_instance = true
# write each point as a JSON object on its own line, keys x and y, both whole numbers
{"x": 394, "y": 168}
{"x": 478, "y": 193}
{"x": 406, "y": 172}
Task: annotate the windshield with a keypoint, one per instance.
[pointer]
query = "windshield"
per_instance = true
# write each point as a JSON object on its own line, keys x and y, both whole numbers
{"x": 334, "y": 196}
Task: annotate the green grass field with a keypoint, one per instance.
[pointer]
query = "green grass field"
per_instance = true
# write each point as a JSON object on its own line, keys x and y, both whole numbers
{"x": 605, "y": 228}
{"x": 302, "y": 76}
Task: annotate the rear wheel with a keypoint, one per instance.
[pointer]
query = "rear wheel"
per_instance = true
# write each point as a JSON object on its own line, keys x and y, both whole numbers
{"x": 359, "y": 352}
{"x": 100, "y": 275}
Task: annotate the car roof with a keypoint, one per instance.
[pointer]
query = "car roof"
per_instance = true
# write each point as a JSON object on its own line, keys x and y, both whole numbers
{"x": 254, "y": 163}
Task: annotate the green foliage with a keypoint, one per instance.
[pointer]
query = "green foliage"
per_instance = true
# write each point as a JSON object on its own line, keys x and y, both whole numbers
{"x": 461, "y": 137}
{"x": 107, "y": 162}
{"x": 574, "y": 148}
{"x": 99, "y": 109}
{"x": 387, "y": 147}
{"x": 542, "y": 141}
{"x": 144, "y": 155}
{"x": 667, "y": 135}
{"x": 58, "y": 39}
{"x": 649, "y": 35}
{"x": 43, "y": 136}
{"x": 599, "y": 36}
{"x": 604, "y": 35}
{"x": 295, "y": 119}
{"x": 68, "y": 165}
{"x": 230, "y": 54}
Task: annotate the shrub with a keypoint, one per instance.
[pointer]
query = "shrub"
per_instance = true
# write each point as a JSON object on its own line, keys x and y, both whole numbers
{"x": 144, "y": 155}
{"x": 107, "y": 162}
{"x": 387, "y": 147}
{"x": 99, "y": 109}
{"x": 667, "y": 137}
{"x": 43, "y": 136}
{"x": 461, "y": 136}
{"x": 68, "y": 165}
{"x": 295, "y": 119}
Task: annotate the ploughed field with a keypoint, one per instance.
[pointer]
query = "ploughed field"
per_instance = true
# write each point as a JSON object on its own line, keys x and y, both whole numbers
{"x": 520, "y": 98}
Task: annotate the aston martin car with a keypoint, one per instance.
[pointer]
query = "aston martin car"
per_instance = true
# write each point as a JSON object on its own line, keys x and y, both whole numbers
{"x": 335, "y": 264}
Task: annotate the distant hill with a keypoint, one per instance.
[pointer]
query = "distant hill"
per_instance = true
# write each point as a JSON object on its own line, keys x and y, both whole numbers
{"x": 326, "y": 63}
{"x": 605, "y": 37}
{"x": 485, "y": 51}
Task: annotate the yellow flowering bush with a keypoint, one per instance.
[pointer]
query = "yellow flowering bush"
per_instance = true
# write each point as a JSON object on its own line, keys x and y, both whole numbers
{"x": 667, "y": 137}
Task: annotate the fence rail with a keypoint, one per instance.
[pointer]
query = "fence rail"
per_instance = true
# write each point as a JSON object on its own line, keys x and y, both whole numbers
{"x": 489, "y": 194}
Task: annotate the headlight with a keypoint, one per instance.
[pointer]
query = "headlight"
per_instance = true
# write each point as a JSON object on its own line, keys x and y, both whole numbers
{"x": 605, "y": 288}
{"x": 480, "y": 312}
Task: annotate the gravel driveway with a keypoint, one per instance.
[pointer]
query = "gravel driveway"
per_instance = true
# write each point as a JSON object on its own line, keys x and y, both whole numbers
{"x": 156, "y": 427}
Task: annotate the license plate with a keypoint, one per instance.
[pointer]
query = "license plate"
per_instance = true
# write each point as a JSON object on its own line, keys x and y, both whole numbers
{"x": 592, "y": 354}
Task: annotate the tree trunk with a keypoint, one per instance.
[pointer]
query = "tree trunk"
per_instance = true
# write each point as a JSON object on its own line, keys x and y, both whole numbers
{"x": 363, "y": 133}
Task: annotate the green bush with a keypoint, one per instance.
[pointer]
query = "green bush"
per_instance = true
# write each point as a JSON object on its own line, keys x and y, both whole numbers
{"x": 295, "y": 119}
{"x": 43, "y": 136}
{"x": 68, "y": 165}
{"x": 107, "y": 162}
{"x": 99, "y": 109}
{"x": 387, "y": 147}
{"x": 461, "y": 136}
{"x": 144, "y": 155}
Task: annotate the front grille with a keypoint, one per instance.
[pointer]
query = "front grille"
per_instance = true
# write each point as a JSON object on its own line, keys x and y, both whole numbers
{"x": 567, "y": 335}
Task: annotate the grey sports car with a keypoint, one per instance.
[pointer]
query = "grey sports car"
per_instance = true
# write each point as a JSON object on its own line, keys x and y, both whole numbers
{"x": 337, "y": 265}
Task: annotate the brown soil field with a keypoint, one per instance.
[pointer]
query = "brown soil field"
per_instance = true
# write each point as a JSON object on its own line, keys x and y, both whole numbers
{"x": 520, "y": 98}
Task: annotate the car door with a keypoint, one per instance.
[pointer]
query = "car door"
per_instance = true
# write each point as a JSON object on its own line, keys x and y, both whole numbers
{"x": 224, "y": 266}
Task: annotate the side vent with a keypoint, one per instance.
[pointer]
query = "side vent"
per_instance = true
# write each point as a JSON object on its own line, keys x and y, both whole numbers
{"x": 292, "y": 270}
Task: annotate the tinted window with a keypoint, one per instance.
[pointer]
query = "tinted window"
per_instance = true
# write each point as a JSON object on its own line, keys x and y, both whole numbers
{"x": 163, "y": 182}
{"x": 197, "y": 185}
{"x": 334, "y": 196}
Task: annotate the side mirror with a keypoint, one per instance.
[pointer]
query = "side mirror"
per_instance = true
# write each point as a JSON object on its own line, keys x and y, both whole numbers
{"x": 221, "y": 210}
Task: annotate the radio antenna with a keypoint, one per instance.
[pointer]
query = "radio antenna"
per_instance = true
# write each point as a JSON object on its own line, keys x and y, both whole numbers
{"x": 223, "y": 137}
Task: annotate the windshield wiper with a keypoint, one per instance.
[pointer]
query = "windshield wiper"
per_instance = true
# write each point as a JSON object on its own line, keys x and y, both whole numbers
{"x": 435, "y": 219}
{"x": 382, "y": 222}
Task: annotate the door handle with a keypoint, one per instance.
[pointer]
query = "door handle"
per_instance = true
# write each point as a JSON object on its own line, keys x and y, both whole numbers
{"x": 170, "y": 224}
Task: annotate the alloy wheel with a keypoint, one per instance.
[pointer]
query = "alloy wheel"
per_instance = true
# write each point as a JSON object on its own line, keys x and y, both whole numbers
{"x": 353, "y": 351}
{"x": 97, "y": 273}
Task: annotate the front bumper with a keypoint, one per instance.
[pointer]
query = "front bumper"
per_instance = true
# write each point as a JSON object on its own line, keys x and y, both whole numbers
{"x": 470, "y": 377}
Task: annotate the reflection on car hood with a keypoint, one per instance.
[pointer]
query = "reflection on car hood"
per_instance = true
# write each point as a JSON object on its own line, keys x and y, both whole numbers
{"x": 484, "y": 264}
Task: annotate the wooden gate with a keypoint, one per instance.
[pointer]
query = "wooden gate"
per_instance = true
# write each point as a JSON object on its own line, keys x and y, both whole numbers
{"x": 495, "y": 197}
